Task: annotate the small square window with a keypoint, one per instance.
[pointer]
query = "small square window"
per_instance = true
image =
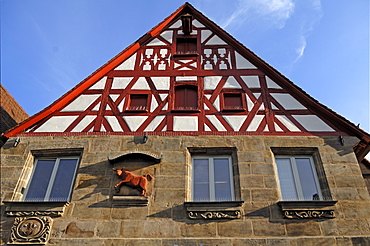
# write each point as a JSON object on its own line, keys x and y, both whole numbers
{"x": 212, "y": 179}
{"x": 138, "y": 102}
{"x": 52, "y": 180}
{"x": 186, "y": 46}
{"x": 233, "y": 101}
{"x": 298, "y": 178}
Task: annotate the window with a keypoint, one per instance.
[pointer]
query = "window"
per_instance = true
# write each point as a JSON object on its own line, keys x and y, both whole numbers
{"x": 138, "y": 102}
{"x": 298, "y": 178}
{"x": 212, "y": 179}
{"x": 186, "y": 46}
{"x": 186, "y": 97}
{"x": 52, "y": 179}
{"x": 233, "y": 101}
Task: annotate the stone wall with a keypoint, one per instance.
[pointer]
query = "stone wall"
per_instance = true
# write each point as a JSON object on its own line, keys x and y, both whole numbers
{"x": 93, "y": 217}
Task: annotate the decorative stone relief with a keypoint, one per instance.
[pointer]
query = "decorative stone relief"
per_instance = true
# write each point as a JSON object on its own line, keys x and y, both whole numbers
{"x": 30, "y": 231}
{"x": 308, "y": 214}
{"x": 214, "y": 210}
{"x": 214, "y": 214}
{"x": 35, "y": 213}
{"x": 307, "y": 209}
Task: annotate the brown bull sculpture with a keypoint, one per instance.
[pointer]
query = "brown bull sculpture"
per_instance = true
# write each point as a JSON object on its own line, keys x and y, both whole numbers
{"x": 133, "y": 181}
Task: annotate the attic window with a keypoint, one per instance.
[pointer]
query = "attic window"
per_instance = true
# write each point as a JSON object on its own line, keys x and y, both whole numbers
{"x": 186, "y": 97}
{"x": 232, "y": 101}
{"x": 138, "y": 102}
{"x": 186, "y": 46}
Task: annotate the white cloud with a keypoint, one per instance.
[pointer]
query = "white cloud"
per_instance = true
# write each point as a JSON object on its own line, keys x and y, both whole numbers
{"x": 276, "y": 11}
{"x": 309, "y": 18}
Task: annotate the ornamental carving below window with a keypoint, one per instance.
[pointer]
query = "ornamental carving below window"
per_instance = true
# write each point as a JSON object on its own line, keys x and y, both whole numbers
{"x": 214, "y": 215}
{"x": 30, "y": 231}
{"x": 308, "y": 214}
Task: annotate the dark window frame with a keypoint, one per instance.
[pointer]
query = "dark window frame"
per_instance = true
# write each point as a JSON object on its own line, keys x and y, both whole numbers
{"x": 190, "y": 104}
{"x": 223, "y": 101}
{"x": 130, "y": 108}
{"x": 187, "y": 45}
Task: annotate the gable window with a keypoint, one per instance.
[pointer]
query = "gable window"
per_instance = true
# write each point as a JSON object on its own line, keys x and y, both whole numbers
{"x": 212, "y": 178}
{"x": 298, "y": 178}
{"x": 233, "y": 101}
{"x": 52, "y": 179}
{"x": 186, "y": 46}
{"x": 138, "y": 102}
{"x": 186, "y": 97}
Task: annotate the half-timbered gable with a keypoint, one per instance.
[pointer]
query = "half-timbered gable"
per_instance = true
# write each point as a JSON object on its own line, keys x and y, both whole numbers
{"x": 186, "y": 137}
{"x": 194, "y": 81}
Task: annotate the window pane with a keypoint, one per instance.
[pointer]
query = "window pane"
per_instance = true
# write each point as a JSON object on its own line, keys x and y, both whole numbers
{"x": 287, "y": 185}
{"x": 201, "y": 180}
{"x": 307, "y": 179}
{"x": 222, "y": 179}
{"x": 63, "y": 180}
{"x": 40, "y": 180}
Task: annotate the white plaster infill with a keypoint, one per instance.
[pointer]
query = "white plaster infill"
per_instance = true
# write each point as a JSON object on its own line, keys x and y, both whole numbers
{"x": 215, "y": 40}
{"x": 121, "y": 82}
{"x": 242, "y": 63}
{"x": 128, "y": 64}
{"x": 251, "y": 81}
{"x": 134, "y": 122}
{"x": 185, "y": 123}
{"x": 235, "y": 121}
{"x": 167, "y": 35}
{"x": 81, "y": 103}
{"x": 156, "y": 42}
{"x": 56, "y": 124}
{"x": 161, "y": 83}
{"x": 313, "y": 123}
{"x": 154, "y": 123}
{"x": 232, "y": 83}
{"x": 287, "y": 101}
{"x": 211, "y": 82}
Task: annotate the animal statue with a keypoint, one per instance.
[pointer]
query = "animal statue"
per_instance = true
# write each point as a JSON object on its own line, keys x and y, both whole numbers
{"x": 131, "y": 180}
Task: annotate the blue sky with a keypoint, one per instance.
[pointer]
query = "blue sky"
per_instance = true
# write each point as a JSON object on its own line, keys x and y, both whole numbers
{"x": 47, "y": 47}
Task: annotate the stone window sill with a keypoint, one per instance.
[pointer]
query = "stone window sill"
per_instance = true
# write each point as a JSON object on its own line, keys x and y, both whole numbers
{"x": 214, "y": 210}
{"x": 122, "y": 201}
{"x": 307, "y": 209}
{"x": 23, "y": 208}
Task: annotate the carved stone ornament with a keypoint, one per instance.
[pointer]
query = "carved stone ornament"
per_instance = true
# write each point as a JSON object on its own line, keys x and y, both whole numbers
{"x": 30, "y": 231}
{"x": 34, "y": 213}
{"x": 307, "y": 209}
{"x": 225, "y": 210}
{"x": 214, "y": 215}
{"x": 308, "y": 214}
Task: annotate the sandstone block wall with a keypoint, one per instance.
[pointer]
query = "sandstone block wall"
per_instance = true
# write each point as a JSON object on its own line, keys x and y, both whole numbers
{"x": 93, "y": 217}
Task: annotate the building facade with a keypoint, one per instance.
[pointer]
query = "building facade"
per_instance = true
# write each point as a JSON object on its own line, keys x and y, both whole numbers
{"x": 11, "y": 113}
{"x": 185, "y": 138}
